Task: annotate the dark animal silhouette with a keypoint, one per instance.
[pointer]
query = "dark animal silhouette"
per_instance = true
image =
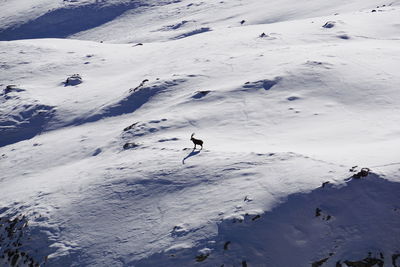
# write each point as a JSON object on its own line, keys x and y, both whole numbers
{"x": 196, "y": 142}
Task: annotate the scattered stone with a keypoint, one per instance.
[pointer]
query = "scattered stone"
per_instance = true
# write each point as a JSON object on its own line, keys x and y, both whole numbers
{"x": 363, "y": 173}
{"x": 394, "y": 260}
{"x": 202, "y": 257}
{"x": 235, "y": 220}
{"x": 329, "y": 24}
{"x": 353, "y": 169}
{"x": 12, "y": 88}
{"x": 242, "y": 22}
{"x": 178, "y": 230}
{"x": 263, "y": 35}
{"x": 317, "y": 212}
{"x": 325, "y": 184}
{"x": 344, "y": 36}
{"x": 256, "y": 217}
{"x": 247, "y": 199}
{"x": 226, "y": 245}
{"x": 367, "y": 262}
{"x": 319, "y": 263}
{"x": 11, "y": 242}
{"x": 130, "y": 145}
{"x": 139, "y": 86}
{"x": 73, "y": 80}
{"x": 293, "y": 98}
{"x": 130, "y": 126}
{"x": 201, "y": 94}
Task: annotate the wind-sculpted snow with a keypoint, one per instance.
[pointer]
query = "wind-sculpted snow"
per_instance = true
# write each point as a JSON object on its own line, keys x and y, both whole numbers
{"x": 328, "y": 226}
{"x": 65, "y": 21}
{"x": 97, "y": 165}
{"x": 265, "y": 84}
{"x": 23, "y": 240}
{"x": 72, "y": 17}
{"x": 194, "y": 32}
{"x": 133, "y": 100}
{"x": 135, "y": 211}
{"x": 21, "y": 117}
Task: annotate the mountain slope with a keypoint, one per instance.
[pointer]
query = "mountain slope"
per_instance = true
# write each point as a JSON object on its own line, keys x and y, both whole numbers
{"x": 97, "y": 168}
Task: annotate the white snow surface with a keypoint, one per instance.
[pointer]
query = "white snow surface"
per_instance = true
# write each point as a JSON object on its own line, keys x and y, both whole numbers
{"x": 99, "y": 99}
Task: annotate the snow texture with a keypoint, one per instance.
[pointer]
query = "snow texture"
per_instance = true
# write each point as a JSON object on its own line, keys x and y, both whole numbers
{"x": 296, "y": 102}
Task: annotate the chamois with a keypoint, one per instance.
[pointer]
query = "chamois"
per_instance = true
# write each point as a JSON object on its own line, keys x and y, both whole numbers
{"x": 196, "y": 142}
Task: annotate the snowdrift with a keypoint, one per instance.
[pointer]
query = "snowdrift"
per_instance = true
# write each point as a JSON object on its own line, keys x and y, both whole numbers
{"x": 97, "y": 109}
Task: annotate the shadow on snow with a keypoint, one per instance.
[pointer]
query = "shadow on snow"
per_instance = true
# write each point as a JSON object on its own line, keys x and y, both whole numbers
{"x": 66, "y": 21}
{"x": 355, "y": 221}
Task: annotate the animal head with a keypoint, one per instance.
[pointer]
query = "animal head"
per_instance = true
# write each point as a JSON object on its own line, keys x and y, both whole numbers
{"x": 191, "y": 136}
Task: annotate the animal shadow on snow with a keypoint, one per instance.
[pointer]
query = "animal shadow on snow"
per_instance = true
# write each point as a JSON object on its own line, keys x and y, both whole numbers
{"x": 191, "y": 154}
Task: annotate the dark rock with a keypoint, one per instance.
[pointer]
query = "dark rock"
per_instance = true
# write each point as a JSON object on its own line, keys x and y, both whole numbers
{"x": 329, "y": 24}
{"x": 247, "y": 199}
{"x": 367, "y": 262}
{"x": 14, "y": 260}
{"x": 317, "y": 212}
{"x": 200, "y": 94}
{"x": 12, "y": 88}
{"x": 202, "y": 257}
{"x": 353, "y": 169}
{"x": 319, "y": 263}
{"x": 73, "y": 80}
{"x": 130, "y": 145}
{"x": 344, "y": 36}
{"x": 394, "y": 260}
{"x": 139, "y": 86}
{"x": 130, "y": 126}
{"x": 226, "y": 245}
{"x": 363, "y": 173}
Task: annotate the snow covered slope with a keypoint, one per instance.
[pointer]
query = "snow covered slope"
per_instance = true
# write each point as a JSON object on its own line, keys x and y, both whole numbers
{"x": 97, "y": 168}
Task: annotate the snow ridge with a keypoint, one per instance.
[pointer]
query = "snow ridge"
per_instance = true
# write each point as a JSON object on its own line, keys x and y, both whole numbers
{"x": 99, "y": 99}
